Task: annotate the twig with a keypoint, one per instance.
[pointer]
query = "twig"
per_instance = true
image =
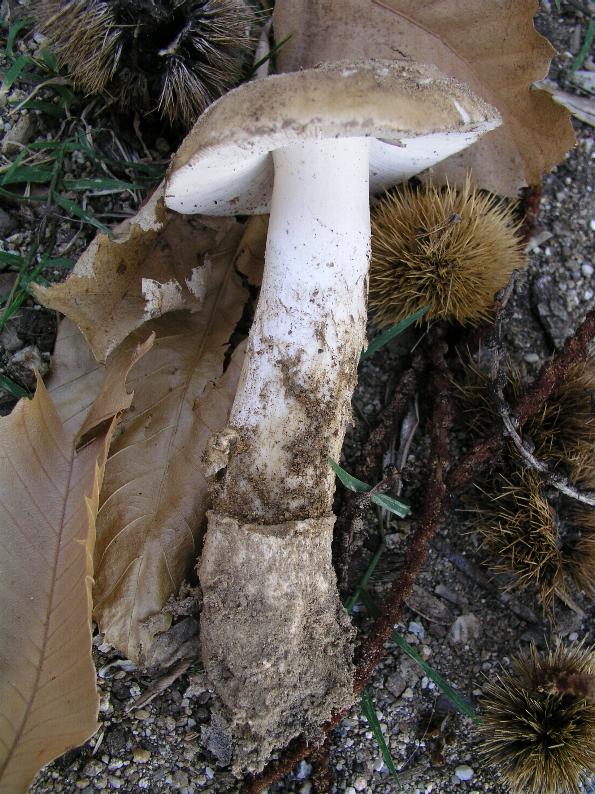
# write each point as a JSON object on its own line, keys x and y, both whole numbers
{"x": 554, "y": 479}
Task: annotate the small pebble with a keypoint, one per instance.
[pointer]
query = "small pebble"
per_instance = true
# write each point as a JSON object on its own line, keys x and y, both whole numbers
{"x": 141, "y": 755}
{"x": 417, "y": 629}
{"x": 464, "y": 772}
{"x": 360, "y": 783}
{"x": 465, "y": 628}
{"x": 531, "y": 358}
{"x": 587, "y": 270}
{"x": 425, "y": 652}
{"x": 304, "y": 770}
{"x": 92, "y": 768}
{"x": 408, "y": 693}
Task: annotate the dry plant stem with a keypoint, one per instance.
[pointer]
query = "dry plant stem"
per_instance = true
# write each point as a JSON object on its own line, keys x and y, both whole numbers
{"x": 431, "y": 514}
{"x": 552, "y": 375}
{"x": 554, "y": 372}
{"x": 350, "y": 519}
{"x": 557, "y": 481}
{"x": 322, "y": 771}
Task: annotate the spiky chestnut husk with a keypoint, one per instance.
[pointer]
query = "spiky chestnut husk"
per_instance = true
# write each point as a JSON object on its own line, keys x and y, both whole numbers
{"x": 448, "y": 249}
{"x": 539, "y": 721}
{"x": 520, "y": 531}
{"x": 474, "y": 399}
{"x": 174, "y": 55}
{"x": 578, "y": 549}
{"x": 562, "y": 432}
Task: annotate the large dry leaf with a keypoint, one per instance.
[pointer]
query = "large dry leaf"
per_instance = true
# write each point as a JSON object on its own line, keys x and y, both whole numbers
{"x": 155, "y": 264}
{"x": 49, "y": 494}
{"x": 132, "y": 613}
{"x": 154, "y": 497}
{"x": 153, "y": 501}
{"x": 491, "y": 45}
{"x": 75, "y": 377}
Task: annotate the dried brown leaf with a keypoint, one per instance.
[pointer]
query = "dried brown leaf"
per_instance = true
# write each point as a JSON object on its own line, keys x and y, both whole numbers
{"x": 74, "y": 390}
{"x": 491, "y": 45}
{"x": 250, "y": 256}
{"x": 75, "y": 378}
{"x": 49, "y": 493}
{"x": 154, "y": 498}
{"x": 156, "y": 263}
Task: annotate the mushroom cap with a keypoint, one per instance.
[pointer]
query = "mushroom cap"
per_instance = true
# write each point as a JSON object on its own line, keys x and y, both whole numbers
{"x": 413, "y": 114}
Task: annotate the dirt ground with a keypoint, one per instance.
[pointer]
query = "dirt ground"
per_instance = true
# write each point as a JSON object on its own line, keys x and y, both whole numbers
{"x": 458, "y": 619}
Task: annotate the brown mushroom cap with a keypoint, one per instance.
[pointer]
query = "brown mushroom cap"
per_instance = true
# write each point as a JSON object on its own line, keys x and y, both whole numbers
{"x": 414, "y": 115}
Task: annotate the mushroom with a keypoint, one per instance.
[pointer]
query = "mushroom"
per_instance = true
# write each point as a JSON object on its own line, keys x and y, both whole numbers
{"x": 309, "y": 146}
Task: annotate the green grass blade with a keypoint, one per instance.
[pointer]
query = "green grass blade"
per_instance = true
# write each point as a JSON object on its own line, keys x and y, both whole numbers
{"x": 9, "y": 258}
{"x": 26, "y": 174}
{"x": 49, "y": 108}
{"x": 348, "y": 480}
{"x": 371, "y": 606}
{"x": 386, "y": 336}
{"x": 273, "y": 51}
{"x": 13, "y": 388}
{"x": 585, "y": 48}
{"x": 50, "y": 60}
{"x": 370, "y": 714}
{"x": 100, "y": 184}
{"x": 392, "y": 505}
{"x": 436, "y": 678}
{"x": 60, "y": 262}
{"x": 16, "y": 197}
{"x": 14, "y": 73}
{"x": 79, "y": 212}
{"x": 14, "y": 31}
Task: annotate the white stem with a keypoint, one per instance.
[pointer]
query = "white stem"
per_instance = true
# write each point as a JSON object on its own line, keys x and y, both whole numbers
{"x": 293, "y": 400}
